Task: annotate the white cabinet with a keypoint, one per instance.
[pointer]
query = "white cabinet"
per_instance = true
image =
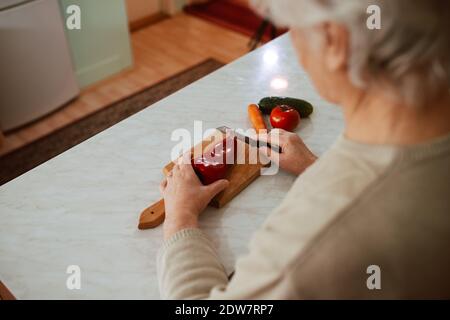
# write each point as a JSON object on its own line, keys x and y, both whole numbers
{"x": 101, "y": 48}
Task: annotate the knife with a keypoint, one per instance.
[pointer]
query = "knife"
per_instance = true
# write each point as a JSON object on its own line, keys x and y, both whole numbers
{"x": 248, "y": 140}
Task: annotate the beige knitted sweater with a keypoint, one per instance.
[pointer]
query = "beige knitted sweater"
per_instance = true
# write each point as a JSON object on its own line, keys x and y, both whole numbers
{"x": 359, "y": 205}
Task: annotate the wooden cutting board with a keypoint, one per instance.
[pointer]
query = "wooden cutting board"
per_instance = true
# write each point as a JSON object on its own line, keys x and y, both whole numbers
{"x": 239, "y": 175}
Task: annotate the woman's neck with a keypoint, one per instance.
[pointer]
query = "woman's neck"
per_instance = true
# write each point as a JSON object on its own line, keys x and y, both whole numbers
{"x": 375, "y": 119}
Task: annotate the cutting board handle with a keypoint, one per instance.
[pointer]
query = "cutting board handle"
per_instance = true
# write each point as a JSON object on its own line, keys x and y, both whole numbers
{"x": 153, "y": 216}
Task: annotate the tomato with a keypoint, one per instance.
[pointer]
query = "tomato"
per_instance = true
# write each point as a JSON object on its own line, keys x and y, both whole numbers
{"x": 284, "y": 117}
{"x": 213, "y": 166}
{"x": 208, "y": 170}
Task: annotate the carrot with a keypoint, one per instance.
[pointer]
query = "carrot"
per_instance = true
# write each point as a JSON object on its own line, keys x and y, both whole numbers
{"x": 256, "y": 118}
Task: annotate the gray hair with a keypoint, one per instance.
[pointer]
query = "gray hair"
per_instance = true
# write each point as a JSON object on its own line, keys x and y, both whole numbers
{"x": 410, "y": 53}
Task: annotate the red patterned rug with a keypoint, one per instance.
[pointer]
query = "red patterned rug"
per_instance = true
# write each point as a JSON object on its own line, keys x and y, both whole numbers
{"x": 233, "y": 15}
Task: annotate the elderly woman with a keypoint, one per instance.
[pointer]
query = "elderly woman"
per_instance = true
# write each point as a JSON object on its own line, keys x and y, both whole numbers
{"x": 379, "y": 196}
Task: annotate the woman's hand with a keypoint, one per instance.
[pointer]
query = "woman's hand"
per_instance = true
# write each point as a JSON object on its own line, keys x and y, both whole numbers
{"x": 185, "y": 197}
{"x": 295, "y": 156}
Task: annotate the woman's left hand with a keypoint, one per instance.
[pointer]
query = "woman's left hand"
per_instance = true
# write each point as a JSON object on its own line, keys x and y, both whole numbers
{"x": 185, "y": 197}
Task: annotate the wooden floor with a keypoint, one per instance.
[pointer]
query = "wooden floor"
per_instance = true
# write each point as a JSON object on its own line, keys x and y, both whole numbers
{"x": 160, "y": 50}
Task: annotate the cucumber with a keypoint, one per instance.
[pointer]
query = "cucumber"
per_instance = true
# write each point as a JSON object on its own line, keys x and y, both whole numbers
{"x": 303, "y": 107}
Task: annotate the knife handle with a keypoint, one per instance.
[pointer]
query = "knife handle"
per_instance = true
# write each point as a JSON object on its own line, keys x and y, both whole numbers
{"x": 153, "y": 216}
{"x": 273, "y": 147}
{"x": 257, "y": 144}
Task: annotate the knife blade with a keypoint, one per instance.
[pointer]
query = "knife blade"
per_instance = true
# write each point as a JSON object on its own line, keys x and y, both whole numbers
{"x": 254, "y": 143}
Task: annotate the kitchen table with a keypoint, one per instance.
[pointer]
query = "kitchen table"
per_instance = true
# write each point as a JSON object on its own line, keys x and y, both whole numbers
{"x": 82, "y": 207}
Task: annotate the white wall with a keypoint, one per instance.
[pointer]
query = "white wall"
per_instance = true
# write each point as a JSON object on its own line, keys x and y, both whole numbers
{"x": 138, "y": 9}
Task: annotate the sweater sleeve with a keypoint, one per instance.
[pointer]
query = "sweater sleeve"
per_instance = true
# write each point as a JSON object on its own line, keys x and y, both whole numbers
{"x": 189, "y": 266}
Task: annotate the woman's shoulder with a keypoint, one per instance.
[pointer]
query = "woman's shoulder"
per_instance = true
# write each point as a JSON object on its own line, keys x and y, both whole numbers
{"x": 318, "y": 195}
{"x": 336, "y": 183}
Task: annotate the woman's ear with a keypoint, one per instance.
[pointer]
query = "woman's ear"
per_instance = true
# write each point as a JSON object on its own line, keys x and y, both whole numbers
{"x": 336, "y": 46}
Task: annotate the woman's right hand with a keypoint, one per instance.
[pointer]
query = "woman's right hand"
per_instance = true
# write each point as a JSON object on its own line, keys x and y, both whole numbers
{"x": 295, "y": 156}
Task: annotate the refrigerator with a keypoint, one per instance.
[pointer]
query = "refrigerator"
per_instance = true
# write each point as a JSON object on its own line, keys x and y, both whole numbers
{"x": 36, "y": 70}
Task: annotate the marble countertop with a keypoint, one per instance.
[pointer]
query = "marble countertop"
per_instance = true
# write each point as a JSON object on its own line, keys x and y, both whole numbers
{"x": 82, "y": 207}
